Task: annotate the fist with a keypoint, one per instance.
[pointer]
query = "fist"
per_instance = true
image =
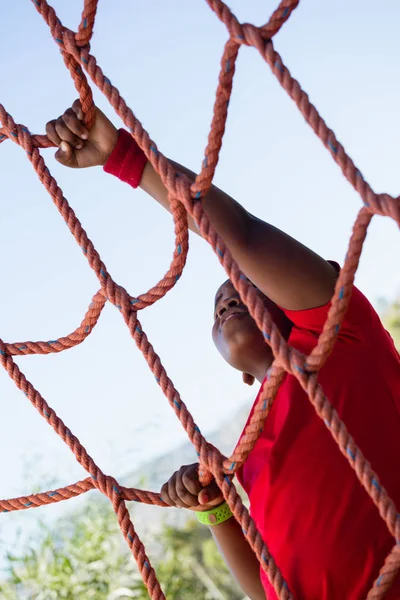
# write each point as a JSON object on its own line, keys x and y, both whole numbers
{"x": 77, "y": 146}
{"x": 184, "y": 490}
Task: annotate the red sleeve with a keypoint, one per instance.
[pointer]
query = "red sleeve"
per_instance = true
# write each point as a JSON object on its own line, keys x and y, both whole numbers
{"x": 358, "y": 321}
{"x": 127, "y": 161}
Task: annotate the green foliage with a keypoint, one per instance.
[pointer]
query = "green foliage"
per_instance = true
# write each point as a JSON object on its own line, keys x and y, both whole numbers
{"x": 84, "y": 557}
{"x": 80, "y": 557}
{"x": 391, "y": 320}
{"x": 192, "y": 566}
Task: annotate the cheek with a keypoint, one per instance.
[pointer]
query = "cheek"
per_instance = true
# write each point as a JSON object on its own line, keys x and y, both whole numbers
{"x": 219, "y": 340}
{"x": 216, "y": 335}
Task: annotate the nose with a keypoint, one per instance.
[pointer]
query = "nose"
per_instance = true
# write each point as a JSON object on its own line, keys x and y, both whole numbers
{"x": 227, "y": 303}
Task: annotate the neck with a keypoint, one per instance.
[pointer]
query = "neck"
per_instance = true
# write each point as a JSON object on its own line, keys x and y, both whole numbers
{"x": 262, "y": 362}
{"x": 259, "y": 370}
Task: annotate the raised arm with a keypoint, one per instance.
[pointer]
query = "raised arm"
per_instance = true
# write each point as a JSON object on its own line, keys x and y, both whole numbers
{"x": 291, "y": 275}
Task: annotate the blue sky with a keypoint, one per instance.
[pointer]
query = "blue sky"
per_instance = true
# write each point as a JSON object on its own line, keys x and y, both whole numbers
{"x": 164, "y": 57}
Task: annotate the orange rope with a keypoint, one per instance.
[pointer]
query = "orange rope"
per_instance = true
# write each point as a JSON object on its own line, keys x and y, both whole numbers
{"x": 186, "y": 199}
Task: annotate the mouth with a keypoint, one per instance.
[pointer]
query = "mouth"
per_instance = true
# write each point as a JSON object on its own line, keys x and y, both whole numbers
{"x": 234, "y": 314}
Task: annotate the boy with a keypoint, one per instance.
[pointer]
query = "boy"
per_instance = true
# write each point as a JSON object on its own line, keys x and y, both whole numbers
{"x": 321, "y": 526}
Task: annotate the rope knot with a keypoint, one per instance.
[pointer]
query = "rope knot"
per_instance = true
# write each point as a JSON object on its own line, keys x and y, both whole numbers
{"x": 82, "y": 41}
{"x": 181, "y": 189}
{"x": 210, "y": 463}
{"x": 3, "y": 350}
{"x": 382, "y": 204}
{"x": 120, "y": 298}
{"x": 107, "y": 485}
{"x": 19, "y": 134}
{"x": 254, "y": 36}
{"x": 70, "y": 46}
{"x": 210, "y": 457}
{"x": 8, "y": 123}
{"x": 389, "y": 206}
{"x": 294, "y": 362}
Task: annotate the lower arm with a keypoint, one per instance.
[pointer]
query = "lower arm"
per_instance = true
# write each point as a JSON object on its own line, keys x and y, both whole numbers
{"x": 239, "y": 557}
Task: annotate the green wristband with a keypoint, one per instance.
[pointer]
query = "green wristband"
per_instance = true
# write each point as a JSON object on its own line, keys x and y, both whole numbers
{"x": 215, "y": 516}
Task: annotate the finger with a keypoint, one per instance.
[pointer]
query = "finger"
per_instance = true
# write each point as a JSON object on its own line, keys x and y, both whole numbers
{"x": 187, "y": 499}
{"x": 52, "y": 133}
{"x": 165, "y": 495}
{"x": 77, "y": 108}
{"x": 64, "y": 153}
{"x": 74, "y": 124}
{"x": 211, "y": 495}
{"x": 172, "y": 493}
{"x": 190, "y": 480}
{"x": 66, "y": 134}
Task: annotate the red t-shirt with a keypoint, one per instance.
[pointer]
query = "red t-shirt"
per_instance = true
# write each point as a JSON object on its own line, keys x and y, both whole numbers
{"x": 319, "y": 523}
{"x": 322, "y": 528}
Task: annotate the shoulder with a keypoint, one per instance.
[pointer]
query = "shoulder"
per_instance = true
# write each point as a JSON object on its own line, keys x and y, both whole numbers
{"x": 360, "y": 322}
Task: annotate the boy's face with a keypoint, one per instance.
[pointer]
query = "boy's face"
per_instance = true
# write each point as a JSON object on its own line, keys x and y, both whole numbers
{"x": 235, "y": 333}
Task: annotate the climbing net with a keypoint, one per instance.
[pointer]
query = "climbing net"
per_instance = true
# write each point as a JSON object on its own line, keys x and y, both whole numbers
{"x": 186, "y": 198}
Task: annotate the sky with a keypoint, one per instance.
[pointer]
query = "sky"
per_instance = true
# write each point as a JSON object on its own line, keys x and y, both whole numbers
{"x": 164, "y": 56}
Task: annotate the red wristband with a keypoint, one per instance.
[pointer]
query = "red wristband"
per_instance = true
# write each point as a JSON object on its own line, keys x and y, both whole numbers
{"x": 127, "y": 161}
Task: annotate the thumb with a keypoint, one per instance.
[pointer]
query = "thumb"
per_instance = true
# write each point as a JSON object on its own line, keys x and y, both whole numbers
{"x": 210, "y": 495}
{"x": 64, "y": 153}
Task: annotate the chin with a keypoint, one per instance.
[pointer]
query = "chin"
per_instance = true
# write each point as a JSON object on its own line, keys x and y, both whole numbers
{"x": 242, "y": 333}
{"x": 239, "y": 341}
{"x": 242, "y": 347}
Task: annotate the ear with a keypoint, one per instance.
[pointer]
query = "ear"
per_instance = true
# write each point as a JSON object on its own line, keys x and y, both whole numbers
{"x": 249, "y": 379}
